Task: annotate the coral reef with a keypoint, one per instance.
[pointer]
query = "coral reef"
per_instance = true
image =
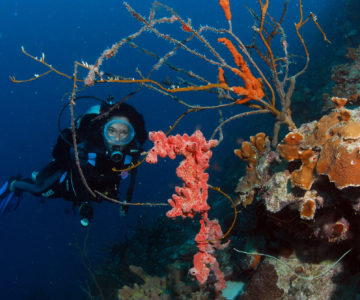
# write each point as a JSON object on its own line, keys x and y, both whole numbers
{"x": 321, "y": 155}
{"x": 307, "y": 196}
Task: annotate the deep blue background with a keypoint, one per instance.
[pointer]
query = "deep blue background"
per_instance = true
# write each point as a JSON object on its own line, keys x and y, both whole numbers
{"x": 38, "y": 254}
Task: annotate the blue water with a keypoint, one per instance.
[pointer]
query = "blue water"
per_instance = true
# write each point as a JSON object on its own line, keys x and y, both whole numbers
{"x": 39, "y": 258}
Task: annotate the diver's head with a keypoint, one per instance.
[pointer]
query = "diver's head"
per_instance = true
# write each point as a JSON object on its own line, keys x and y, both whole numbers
{"x": 119, "y": 128}
{"x": 118, "y": 133}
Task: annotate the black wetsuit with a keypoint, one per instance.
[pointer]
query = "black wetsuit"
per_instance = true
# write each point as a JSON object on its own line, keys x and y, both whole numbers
{"x": 100, "y": 172}
{"x": 61, "y": 178}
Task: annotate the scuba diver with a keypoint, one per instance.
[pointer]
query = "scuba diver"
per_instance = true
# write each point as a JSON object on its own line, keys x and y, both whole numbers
{"x": 106, "y": 143}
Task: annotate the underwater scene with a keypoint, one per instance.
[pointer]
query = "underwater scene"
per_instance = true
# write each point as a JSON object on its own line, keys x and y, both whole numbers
{"x": 180, "y": 149}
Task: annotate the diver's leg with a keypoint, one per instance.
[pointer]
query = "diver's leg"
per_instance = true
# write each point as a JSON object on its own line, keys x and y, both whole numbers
{"x": 11, "y": 191}
{"x": 36, "y": 187}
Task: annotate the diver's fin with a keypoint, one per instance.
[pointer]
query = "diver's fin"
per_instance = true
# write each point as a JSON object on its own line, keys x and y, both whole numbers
{"x": 9, "y": 200}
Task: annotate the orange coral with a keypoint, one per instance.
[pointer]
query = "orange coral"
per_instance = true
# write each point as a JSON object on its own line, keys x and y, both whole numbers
{"x": 339, "y": 232}
{"x": 340, "y": 158}
{"x": 339, "y": 102}
{"x": 345, "y": 115}
{"x": 225, "y": 5}
{"x": 259, "y": 141}
{"x": 341, "y": 163}
{"x": 332, "y": 148}
{"x": 250, "y": 152}
{"x": 289, "y": 149}
{"x": 247, "y": 153}
{"x": 253, "y": 89}
{"x": 293, "y": 138}
{"x": 349, "y": 131}
{"x": 221, "y": 76}
{"x": 321, "y": 132}
{"x": 307, "y": 209}
{"x": 304, "y": 177}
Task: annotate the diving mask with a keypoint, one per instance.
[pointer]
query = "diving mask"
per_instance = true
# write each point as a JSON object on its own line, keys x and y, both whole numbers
{"x": 118, "y": 132}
